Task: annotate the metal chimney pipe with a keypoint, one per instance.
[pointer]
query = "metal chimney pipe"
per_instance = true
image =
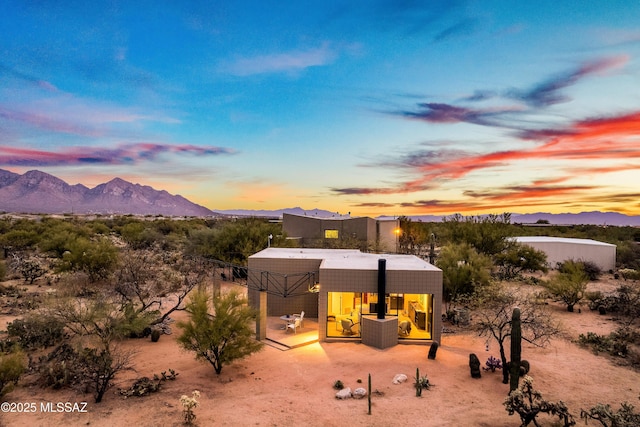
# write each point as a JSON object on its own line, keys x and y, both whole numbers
{"x": 382, "y": 287}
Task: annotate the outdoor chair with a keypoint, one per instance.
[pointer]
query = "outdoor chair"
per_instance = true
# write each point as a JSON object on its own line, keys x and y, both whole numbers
{"x": 347, "y": 324}
{"x": 301, "y": 317}
{"x": 295, "y": 324}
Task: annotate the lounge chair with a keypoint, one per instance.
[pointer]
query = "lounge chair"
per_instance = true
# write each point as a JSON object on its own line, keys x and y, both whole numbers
{"x": 404, "y": 328}
{"x": 347, "y": 324}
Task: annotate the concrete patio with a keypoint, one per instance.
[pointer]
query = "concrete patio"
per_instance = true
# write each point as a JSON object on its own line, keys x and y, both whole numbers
{"x": 287, "y": 339}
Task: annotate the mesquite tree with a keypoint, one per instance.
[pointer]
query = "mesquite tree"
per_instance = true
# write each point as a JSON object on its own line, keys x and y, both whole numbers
{"x": 219, "y": 334}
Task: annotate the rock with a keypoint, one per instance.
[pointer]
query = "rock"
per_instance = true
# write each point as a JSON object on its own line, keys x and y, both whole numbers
{"x": 345, "y": 393}
{"x": 399, "y": 378}
{"x": 359, "y": 393}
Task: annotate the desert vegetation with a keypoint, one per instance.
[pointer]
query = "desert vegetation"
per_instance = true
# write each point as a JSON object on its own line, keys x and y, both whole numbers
{"x": 79, "y": 290}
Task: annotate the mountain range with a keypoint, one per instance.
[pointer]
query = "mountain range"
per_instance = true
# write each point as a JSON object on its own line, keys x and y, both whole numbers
{"x": 38, "y": 192}
{"x": 41, "y": 193}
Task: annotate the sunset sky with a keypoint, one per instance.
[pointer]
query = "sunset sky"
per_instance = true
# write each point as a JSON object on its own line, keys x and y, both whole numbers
{"x": 389, "y": 107}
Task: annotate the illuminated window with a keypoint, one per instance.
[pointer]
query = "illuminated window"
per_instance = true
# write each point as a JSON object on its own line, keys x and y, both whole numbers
{"x": 330, "y": 234}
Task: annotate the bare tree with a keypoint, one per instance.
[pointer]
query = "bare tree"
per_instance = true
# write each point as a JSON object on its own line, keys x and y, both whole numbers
{"x": 29, "y": 267}
{"x": 145, "y": 287}
{"x": 493, "y": 309}
{"x": 97, "y": 324}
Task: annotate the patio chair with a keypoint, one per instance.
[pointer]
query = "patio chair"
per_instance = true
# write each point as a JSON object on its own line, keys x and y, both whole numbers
{"x": 347, "y": 324}
{"x": 301, "y": 317}
{"x": 295, "y": 324}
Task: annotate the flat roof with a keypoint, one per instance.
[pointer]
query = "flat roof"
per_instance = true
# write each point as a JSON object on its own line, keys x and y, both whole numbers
{"x": 550, "y": 239}
{"x": 351, "y": 259}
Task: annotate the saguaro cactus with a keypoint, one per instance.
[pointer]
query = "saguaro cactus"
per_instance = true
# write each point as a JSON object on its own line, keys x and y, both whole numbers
{"x": 369, "y": 395}
{"x": 516, "y": 350}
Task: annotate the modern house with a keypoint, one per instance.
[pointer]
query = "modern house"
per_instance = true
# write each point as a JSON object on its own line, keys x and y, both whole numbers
{"x": 313, "y": 231}
{"x": 377, "y": 299}
{"x": 560, "y": 249}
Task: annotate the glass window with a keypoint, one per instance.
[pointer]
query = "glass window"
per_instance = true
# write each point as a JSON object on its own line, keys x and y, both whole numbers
{"x": 330, "y": 234}
{"x": 414, "y": 313}
{"x": 343, "y": 314}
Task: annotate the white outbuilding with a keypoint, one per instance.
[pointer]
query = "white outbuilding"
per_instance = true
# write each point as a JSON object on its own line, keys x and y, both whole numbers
{"x": 560, "y": 249}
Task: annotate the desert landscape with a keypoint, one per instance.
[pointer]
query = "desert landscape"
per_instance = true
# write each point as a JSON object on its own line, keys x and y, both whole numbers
{"x": 276, "y": 387}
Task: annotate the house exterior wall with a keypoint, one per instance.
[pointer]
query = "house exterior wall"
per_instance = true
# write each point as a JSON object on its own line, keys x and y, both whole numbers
{"x": 388, "y": 235}
{"x": 311, "y": 230}
{"x": 398, "y": 281}
{"x": 302, "y": 226}
{"x": 342, "y": 270}
{"x": 559, "y": 250}
{"x": 277, "y": 305}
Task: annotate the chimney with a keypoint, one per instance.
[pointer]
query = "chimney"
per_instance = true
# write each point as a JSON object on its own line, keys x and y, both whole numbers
{"x": 382, "y": 287}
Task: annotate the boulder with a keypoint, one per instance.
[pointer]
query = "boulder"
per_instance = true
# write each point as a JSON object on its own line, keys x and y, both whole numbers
{"x": 399, "y": 378}
{"x": 345, "y": 393}
{"x": 359, "y": 393}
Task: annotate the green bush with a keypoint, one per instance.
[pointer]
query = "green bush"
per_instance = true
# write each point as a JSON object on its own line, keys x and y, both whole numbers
{"x": 592, "y": 270}
{"x": 629, "y": 274}
{"x": 36, "y": 331}
{"x": 12, "y": 366}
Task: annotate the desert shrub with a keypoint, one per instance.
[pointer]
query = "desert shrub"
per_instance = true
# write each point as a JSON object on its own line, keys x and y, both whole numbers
{"x": 528, "y": 404}
{"x": 593, "y": 299}
{"x": 338, "y": 385}
{"x": 188, "y": 404}
{"x": 591, "y": 270}
{"x": 492, "y": 364}
{"x": 598, "y": 343}
{"x": 3, "y": 270}
{"x": 89, "y": 370}
{"x": 36, "y": 331}
{"x": 12, "y": 366}
{"x": 59, "y": 368}
{"x": 629, "y": 274}
{"x": 623, "y": 417}
{"x": 145, "y": 386}
{"x": 618, "y": 343}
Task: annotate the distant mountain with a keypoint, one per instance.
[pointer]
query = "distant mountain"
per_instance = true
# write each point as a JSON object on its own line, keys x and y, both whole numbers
{"x": 596, "y": 218}
{"x": 41, "y": 193}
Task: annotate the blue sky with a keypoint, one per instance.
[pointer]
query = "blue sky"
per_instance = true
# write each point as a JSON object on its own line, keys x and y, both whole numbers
{"x": 371, "y": 107}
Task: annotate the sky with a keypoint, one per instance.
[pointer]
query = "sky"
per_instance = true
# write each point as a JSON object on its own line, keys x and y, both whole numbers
{"x": 380, "y": 107}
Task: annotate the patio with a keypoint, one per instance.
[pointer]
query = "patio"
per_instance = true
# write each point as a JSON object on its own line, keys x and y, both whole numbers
{"x": 303, "y": 336}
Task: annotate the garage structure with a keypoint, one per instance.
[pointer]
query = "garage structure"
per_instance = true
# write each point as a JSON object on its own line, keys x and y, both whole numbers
{"x": 560, "y": 249}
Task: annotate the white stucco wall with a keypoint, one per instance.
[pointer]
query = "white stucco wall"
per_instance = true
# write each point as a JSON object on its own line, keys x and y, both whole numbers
{"x": 560, "y": 249}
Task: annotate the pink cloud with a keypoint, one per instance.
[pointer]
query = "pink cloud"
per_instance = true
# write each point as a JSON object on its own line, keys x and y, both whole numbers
{"x": 123, "y": 154}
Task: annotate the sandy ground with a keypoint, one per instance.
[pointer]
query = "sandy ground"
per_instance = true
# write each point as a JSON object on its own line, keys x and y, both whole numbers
{"x": 294, "y": 387}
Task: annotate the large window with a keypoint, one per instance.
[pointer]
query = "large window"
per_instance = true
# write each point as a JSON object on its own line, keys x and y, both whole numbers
{"x": 331, "y": 234}
{"x": 346, "y": 309}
